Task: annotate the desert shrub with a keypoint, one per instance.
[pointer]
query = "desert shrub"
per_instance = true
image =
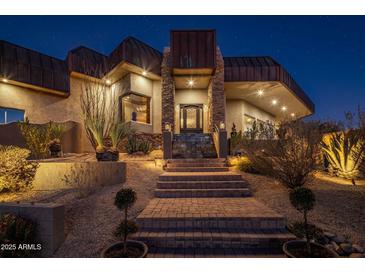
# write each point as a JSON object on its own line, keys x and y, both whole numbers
{"x": 246, "y": 165}
{"x": 135, "y": 145}
{"x": 37, "y": 138}
{"x": 16, "y": 230}
{"x": 79, "y": 179}
{"x": 16, "y": 173}
{"x": 118, "y": 132}
{"x": 99, "y": 110}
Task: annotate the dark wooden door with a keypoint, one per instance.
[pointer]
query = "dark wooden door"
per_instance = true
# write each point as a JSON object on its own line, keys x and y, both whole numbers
{"x": 191, "y": 118}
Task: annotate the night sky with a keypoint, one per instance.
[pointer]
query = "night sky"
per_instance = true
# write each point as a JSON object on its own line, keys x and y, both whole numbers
{"x": 325, "y": 54}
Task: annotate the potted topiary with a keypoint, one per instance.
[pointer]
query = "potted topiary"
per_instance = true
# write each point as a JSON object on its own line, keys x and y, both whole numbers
{"x": 124, "y": 200}
{"x": 303, "y": 200}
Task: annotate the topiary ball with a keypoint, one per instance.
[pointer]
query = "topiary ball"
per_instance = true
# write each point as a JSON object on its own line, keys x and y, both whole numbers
{"x": 125, "y": 198}
{"x": 302, "y": 198}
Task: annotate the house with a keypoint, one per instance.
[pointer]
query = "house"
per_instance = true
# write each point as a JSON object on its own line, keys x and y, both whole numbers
{"x": 188, "y": 88}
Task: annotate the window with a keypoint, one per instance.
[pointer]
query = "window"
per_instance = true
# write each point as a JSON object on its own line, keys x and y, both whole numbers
{"x": 10, "y": 115}
{"x": 136, "y": 108}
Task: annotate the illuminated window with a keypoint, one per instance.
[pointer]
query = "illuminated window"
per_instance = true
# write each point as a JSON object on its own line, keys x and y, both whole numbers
{"x": 135, "y": 108}
{"x": 10, "y": 115}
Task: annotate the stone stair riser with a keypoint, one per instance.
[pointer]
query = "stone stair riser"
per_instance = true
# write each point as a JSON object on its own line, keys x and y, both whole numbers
{"x": 211, "y": 223}
{"x": 201, "y": 185}
{"x": 194, "y": 193}
{"x": 200, "y": 178}
{"x": 197, "y": 169}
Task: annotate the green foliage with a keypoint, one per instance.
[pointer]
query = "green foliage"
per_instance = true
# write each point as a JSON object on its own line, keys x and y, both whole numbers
{"x": 98, "y": 105}
{"x": 292, "y": 156}
{"x": 345, "y": 152}
{"x": 118, "y": 132}
{"x": 125, "y": 198}
{"x": 16, "y": 173}
{"x": 135, "y": 145}
{"x": 122, "y": 228}
{"x": 37, "y": 138}
{"x": 246, "y": 165}
{"x": 16, "y": 230}
{"x": 302, "y": 198}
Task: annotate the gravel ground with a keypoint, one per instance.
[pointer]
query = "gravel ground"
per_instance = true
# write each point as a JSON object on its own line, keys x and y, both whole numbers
{"x": 339, "y": 208}
{"x": 91, "y": 221}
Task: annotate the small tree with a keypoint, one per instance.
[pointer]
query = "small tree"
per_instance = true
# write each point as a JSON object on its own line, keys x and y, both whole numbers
{"x": 303, "y": 200}
{"x": 124, "y": 200}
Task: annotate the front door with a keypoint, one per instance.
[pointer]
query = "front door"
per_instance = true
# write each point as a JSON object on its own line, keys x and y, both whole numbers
{"x": 191, "y": 118}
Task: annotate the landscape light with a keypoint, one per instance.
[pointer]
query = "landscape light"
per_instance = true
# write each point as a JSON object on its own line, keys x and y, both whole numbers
{"x": 5, "y": 80}
{"x": 292, "y": 114}
{"x": 108, "y": 82}
{"x": 260, "y": 92}
{"x": 283, "y": 108}
{"x": 144, "y": 73}
{"x": 191, "y": 83}
{"x": 274, "y": 102}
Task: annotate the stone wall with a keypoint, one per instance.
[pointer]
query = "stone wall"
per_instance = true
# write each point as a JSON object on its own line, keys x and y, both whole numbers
{"x": 167, "y": 91}
{"x": 216, "y": 98}
{"x": 49, "y": 219}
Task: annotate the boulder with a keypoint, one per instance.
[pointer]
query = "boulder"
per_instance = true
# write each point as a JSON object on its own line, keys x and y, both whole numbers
{"x": 357, "y": 249}
{"x": 339, "y": 239}
{"x": 346, "y": 247}
{"x": 329, "y": 235}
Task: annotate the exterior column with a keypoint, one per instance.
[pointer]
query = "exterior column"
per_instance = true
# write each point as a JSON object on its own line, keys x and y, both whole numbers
{"x": 216, "y": 98}
{"x": 167, "y": 92}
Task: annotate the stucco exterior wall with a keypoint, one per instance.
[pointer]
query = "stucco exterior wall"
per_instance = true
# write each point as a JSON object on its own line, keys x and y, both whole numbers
{"x": 236, "y": 109}
{"x": 188, "y": 96}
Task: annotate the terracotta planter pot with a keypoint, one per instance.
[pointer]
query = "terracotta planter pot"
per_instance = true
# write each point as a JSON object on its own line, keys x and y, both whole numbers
{"x": 107, "y": 156}
{"x": 291, "y": 248}
{"x": 130, "y": 243}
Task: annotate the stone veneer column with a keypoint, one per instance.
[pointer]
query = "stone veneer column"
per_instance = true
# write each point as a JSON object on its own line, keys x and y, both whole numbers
{"x": 167, "y": 92}
{"x": 216, "y": 98}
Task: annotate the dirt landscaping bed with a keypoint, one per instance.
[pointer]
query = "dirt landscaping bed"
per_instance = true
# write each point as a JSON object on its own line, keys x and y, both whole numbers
{"x": 91, "y": 216}
{"x": 339, "y": 208}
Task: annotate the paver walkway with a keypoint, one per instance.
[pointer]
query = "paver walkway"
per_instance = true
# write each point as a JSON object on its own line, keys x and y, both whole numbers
{"x": 208, "y": 214}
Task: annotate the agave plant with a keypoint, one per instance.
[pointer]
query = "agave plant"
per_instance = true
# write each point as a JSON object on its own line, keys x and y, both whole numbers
{"x": 344, "y": 152}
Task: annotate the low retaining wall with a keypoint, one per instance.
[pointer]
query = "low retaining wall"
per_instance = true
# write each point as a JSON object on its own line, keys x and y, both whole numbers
{"x": 49, "y": 219}
{"x": 65, "y": 175}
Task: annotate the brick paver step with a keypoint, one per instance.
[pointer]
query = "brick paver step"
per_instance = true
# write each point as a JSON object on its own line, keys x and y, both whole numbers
{"x": 186, "y": 193}
{"x": 156, "y": 252}
{"x": 201, "y": 184}
{"x": 196, "y": 169}
{"x": 219, "y": 240}
{"x": 196, "y": 164}
{"x": 199, "y": 176}
{"x": 197, "y": 160}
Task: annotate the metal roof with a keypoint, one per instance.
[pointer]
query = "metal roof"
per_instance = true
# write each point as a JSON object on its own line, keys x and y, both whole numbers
{"x": 263, "y": 68}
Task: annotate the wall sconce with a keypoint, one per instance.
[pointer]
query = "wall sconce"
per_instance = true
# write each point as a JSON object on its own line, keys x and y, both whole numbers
{"x": 167, "y": 127}
{"x": 222, "y": 125}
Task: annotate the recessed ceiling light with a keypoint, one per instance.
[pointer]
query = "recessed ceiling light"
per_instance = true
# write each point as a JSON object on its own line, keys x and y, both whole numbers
{"x": 5, "y": 80}
{"x": 274, "y": 102}
{"x": 108, "y": 82}
{"x": 144, "y": 73}
{"x": 283, "y": 108}
{"x": 260, "y": 92}
{"x": 191, "y": 83}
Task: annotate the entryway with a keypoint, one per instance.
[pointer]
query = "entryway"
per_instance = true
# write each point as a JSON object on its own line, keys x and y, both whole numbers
{"x": 191, "y": 118}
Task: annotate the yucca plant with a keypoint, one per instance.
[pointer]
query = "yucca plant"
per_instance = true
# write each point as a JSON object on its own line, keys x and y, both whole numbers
{"x": 345, "y": 152}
